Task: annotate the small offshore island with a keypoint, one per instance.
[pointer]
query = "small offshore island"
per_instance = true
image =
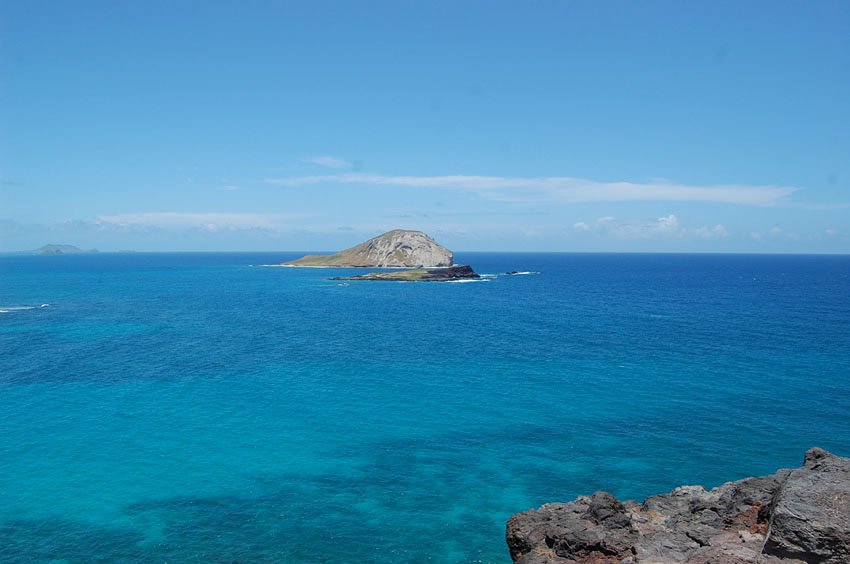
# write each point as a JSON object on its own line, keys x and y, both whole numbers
{"x": 459, "y": 272}
{"x": 53, "y": 249}
{"x": 398, "y": 248}
{"x": 423, "y": 259}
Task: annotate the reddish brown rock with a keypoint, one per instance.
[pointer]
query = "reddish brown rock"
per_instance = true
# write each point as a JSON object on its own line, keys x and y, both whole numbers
{"x": 794, "y": 516}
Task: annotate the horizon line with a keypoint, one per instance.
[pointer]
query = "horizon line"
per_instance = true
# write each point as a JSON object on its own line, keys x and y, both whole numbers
{"x": 32, "y": 252}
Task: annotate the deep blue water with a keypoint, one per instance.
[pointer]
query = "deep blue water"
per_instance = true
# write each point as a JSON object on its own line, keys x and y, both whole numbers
{"x": 192, "y": 407}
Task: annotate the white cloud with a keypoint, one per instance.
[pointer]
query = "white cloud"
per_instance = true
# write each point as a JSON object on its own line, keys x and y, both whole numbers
{"x": 772, "y": 233}
{"x": 328, "y": 162}
{"x": 667, "y": 226}
{"x": 716, "y": 232}
{"x": 560, "y": 189}
{"x": 231, "y": 187}
{"x": 205, "y": 221}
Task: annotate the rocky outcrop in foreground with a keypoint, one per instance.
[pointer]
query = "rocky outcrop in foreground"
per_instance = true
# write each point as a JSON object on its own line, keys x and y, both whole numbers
{"x": 459, "y": 272}
{"x": 794, "y": 516}
{"x": 397, "y": 248}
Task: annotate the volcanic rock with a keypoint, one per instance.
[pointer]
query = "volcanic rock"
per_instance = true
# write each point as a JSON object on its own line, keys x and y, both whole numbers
{"x": 458, "y": 272}
{"x": 793, "y": 516}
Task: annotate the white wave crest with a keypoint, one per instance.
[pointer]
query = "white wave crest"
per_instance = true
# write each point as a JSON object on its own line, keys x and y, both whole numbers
{"x": 468, "y": 280}
{"x": 12, "y": 309}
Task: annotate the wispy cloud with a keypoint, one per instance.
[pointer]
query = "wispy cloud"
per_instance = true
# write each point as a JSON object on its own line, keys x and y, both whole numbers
{"x": 205, "y": 221}
{"x": 328, "y": 162}
{"x": 560, "y": 188}
{"x": 719, "y": 231}
{"x": 667, "y": 226}
{"x": 771, "y": 233}
{"x": 231, "y": 187}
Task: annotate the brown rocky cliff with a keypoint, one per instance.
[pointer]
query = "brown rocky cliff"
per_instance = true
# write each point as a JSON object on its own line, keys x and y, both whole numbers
{"x": 794, "y": 516}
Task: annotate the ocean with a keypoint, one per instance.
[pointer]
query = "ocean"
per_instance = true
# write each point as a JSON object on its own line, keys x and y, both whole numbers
{"x": 201, "y": 407}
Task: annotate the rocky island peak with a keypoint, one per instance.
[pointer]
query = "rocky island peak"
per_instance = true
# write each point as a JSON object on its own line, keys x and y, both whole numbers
{"x": 398, "y": 248}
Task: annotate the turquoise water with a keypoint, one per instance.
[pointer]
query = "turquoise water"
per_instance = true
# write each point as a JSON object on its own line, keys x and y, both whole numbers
{"x": 193, "y": 407}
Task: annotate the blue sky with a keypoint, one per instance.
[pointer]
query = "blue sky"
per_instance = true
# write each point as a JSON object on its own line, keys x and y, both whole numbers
{"x": 539, "y": 126}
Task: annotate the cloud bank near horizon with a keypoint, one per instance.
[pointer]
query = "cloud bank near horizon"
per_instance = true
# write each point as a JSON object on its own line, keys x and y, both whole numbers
{"x": 559, "y": 189}
{"x": 259, "y": 231}
{"x": 665, "y": 226}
